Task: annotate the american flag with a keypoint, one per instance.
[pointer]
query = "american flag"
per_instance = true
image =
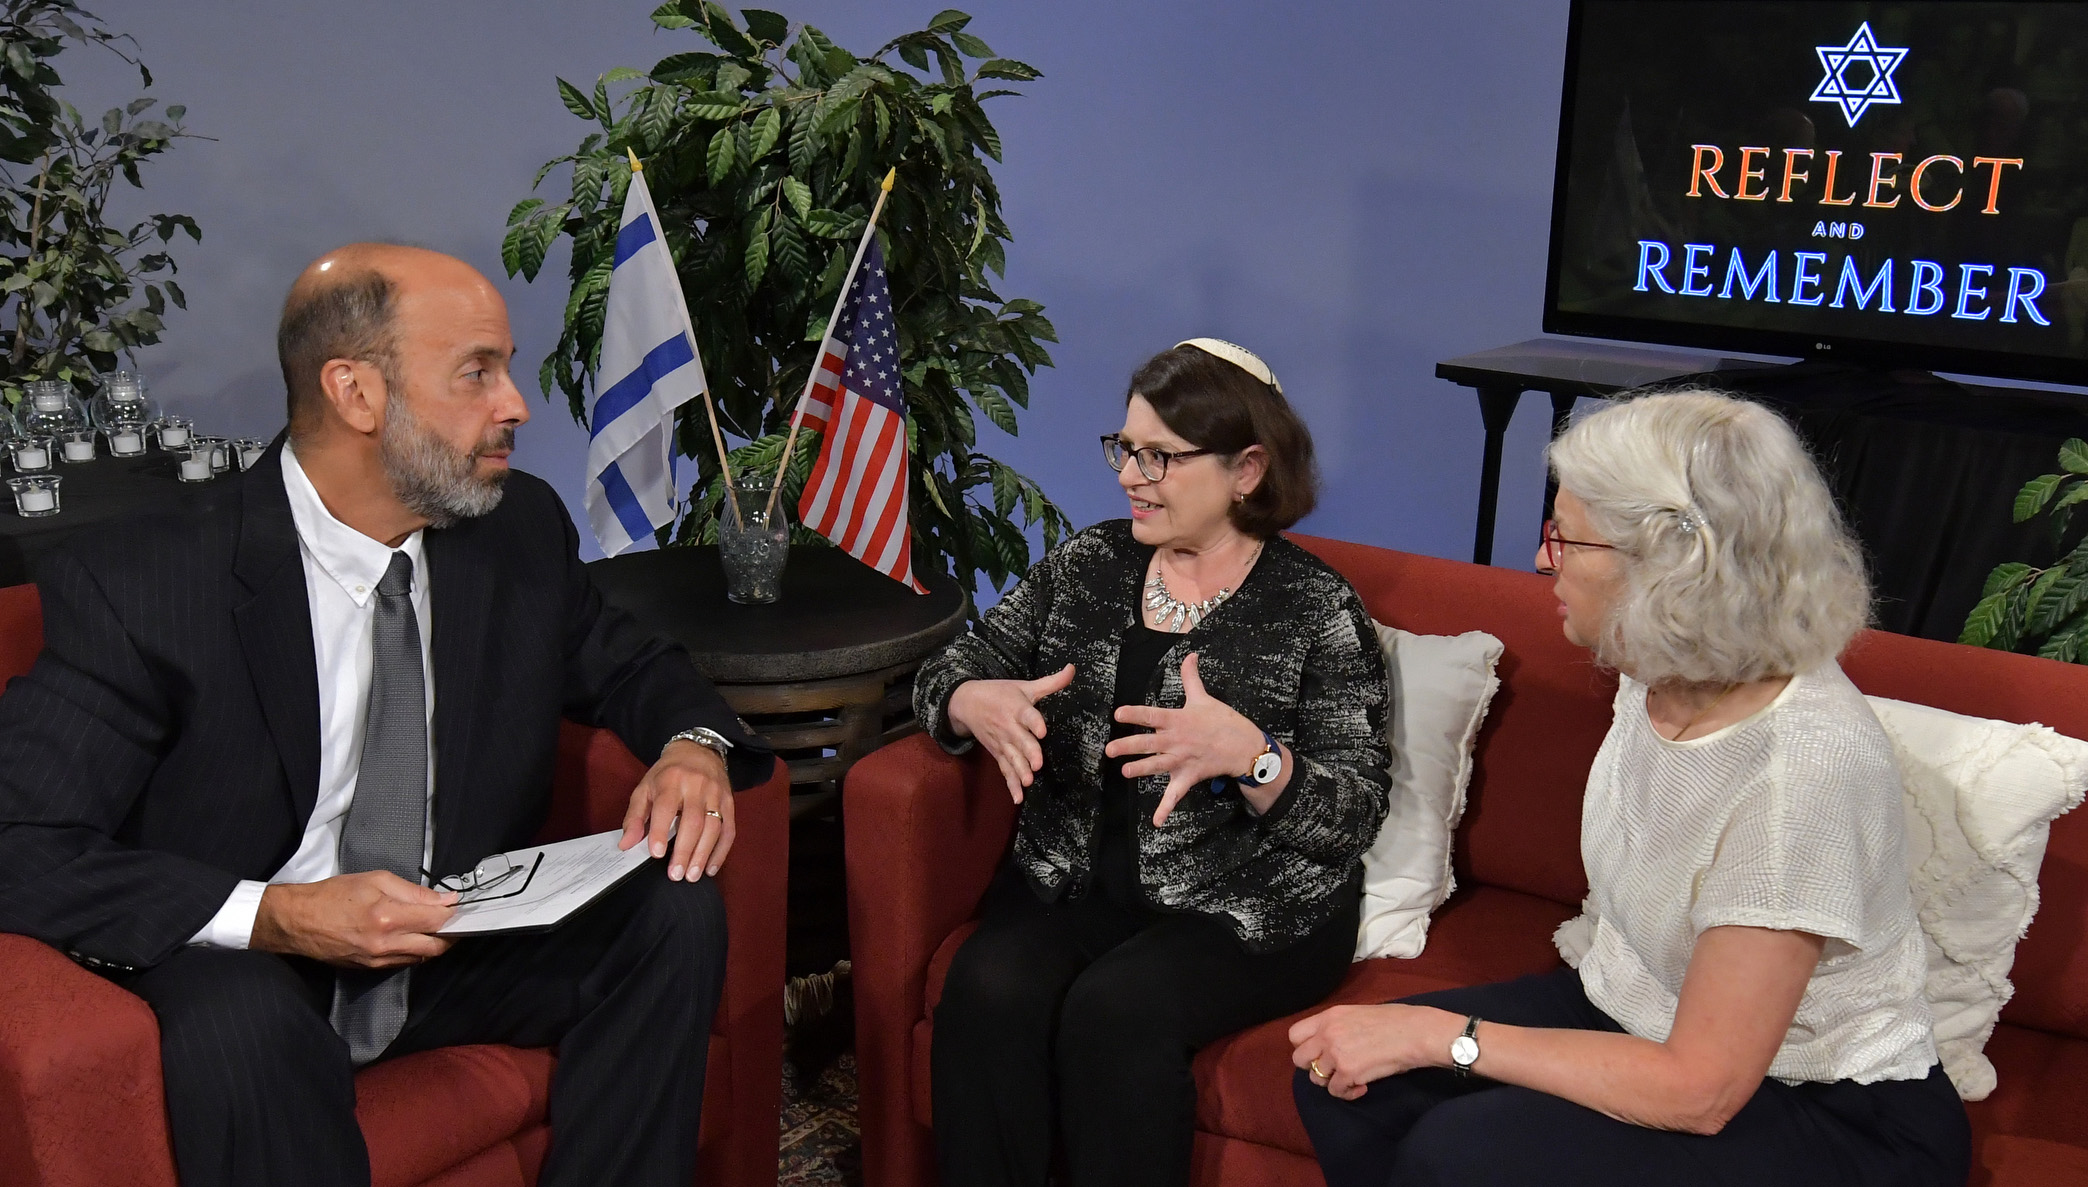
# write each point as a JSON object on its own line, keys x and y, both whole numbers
{"x": 856, "y": 495}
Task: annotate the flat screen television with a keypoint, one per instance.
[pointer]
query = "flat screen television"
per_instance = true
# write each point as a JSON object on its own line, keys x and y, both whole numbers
{"x": 1892, "y": 184}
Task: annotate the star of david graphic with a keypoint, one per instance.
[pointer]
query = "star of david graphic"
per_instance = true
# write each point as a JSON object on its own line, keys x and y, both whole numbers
{"x": 1863, "y": 52}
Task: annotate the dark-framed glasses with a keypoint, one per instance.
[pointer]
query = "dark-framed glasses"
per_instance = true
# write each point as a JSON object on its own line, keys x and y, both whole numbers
{"x": 1555, "y": 546}
{"x": 499, "y": 876}
{"x": 1151, "y": 462}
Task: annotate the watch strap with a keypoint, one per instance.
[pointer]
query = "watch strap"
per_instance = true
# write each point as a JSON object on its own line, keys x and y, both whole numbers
{"x": 709, "y": 739}
{"x": 1269, "y": 746}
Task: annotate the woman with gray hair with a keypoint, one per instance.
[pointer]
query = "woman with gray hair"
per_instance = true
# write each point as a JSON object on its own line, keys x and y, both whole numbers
{"x": 1748, "y": 1001}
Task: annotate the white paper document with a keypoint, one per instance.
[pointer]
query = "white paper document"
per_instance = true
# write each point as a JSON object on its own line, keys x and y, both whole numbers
{"x": 552, "y": 882}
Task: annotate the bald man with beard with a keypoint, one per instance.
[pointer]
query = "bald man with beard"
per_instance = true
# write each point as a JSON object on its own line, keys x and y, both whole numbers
{"x": 262, "y": 729}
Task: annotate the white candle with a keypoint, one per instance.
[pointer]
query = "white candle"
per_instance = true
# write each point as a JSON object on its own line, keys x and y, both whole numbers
{"x": 29, "y": 502}
{"x": 32, "y": 457}
{"x": 80, "y": 451}
{"x": 126, "y": 442}
{"x": 250, "y": 455}
{"x": 220, "y": 458}
{"x": 195, "y": 469}
{"x": 172, "y": 436}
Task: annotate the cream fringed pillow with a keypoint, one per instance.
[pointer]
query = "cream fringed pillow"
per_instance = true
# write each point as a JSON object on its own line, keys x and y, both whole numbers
{"x": 1441, "y": 687}
{"x": 1980, "y": 797}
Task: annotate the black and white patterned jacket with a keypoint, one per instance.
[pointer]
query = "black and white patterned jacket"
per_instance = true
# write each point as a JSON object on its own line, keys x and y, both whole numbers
{"x": 1293, "y": 650}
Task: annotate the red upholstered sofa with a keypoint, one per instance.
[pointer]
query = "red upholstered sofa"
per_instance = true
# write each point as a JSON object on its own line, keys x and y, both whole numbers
{"x": 926, "y": 831}
{"x": 80, "y": 1089}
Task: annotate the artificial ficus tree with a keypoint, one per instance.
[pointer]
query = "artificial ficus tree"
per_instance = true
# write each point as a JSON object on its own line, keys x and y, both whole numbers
{"x": 76, "y": 292}
{"x": 763, "y": 154}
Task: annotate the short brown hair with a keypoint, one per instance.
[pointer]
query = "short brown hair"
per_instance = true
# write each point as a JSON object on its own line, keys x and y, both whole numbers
{"x": 1216, "y": 405}
{"x": 349, "y": 317}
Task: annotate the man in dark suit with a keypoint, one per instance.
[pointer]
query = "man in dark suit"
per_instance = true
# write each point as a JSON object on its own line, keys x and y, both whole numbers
{"x": 258, "y": 729}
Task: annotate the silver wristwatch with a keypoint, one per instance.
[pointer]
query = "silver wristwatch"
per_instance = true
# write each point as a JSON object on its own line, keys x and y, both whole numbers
{"x": 709, "y": 739}
{"x": 1464, "y": 1049}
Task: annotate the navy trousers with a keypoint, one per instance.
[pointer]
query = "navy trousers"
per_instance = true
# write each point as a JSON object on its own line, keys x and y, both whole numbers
{"x": 260, "y": 1091}
{"x": 1430, "y": 1127}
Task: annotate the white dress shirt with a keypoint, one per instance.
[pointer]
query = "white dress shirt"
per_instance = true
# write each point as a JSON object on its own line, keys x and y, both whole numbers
{"x": 341, "y": 570}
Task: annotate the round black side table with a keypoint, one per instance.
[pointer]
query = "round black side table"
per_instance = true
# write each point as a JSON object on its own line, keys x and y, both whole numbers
{"x": 825, "y": 673}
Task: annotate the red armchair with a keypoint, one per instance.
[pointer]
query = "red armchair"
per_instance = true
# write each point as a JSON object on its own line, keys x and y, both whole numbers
{"x": 81, "y": 1103}
{"x": 926, "y": 831}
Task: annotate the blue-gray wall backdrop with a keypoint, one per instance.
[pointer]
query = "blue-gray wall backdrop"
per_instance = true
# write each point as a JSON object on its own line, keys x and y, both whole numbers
{"x": 1355, "y": 190}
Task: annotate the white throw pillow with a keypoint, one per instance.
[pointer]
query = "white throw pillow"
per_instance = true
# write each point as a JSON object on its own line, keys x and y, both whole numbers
{"x": 1981, "y": 798}
{"x": 1441, "y": 686}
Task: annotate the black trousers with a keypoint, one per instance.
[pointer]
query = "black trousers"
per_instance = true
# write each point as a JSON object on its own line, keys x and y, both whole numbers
{"x": 1087, "y": 1013}
{"x": 1430, "y": 1127}
{"x": 260, "y": 1091}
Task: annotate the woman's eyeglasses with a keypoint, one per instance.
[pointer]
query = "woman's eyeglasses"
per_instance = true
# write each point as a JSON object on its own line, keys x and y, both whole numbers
{"x": 1151, "y": 462}
{"x": 1555, "y": 546}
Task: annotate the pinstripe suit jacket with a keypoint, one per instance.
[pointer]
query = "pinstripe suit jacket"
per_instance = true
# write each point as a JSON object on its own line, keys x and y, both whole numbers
{"x": 166, "y": 743}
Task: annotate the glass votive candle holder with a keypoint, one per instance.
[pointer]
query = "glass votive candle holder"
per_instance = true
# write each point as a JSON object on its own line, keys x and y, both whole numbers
{"x": 220, "y": 452}
{"x": 195, "y": 463}
{"x": 30, "y": 455}
{"x": 76, "y": 445}
{"x": 35, "y": 495}
{"x": 126, "y": 441}
{"x": 174, "y": 432}
{"x": 249, "y": 451}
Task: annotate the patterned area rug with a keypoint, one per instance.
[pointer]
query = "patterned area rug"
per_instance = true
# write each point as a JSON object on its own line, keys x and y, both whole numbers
{"x": 821, "y": 1143}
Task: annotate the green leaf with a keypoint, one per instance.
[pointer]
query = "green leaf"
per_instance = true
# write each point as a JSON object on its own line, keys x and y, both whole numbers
{"x": 767, "y": 127}
{"x": 718, "y": 26}
{"x": 771, "y": 27}
{"x": 828, "y": 225}
{"x": 689, "y": 69}
{"x": 669, "y": 16}
{"x": 757, "y": 251}
{"x": 996, "y": 408}
{"x": 575, "y": 100}
{"x": 724, "y": 151}
{"x": 521, "y": 210}
{"x": 799, "y": 195}
{"x": 913, "y": 55}
{"x": 1008, "y": 68}
{"x": 714, "y": 105}
{"x": 2074, "y": 455}
{"x": 176, "y": 111}
{"x": 970, "y": 46}
{"x": 949, "y": 20}
{"x": 2035, "y": 494}
{"x": 1984, "y": 622}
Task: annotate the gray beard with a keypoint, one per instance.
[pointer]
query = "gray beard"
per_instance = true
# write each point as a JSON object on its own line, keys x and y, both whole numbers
{"x": 433, "y": 480}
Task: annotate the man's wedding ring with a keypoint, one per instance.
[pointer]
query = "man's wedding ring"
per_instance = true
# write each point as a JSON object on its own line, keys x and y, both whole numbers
{"x": 710, "y": 812}
{"x": 1317, "y": 1072}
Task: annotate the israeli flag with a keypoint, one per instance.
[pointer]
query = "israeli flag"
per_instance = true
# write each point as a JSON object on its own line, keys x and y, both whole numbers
{"x": 649, "y": 368}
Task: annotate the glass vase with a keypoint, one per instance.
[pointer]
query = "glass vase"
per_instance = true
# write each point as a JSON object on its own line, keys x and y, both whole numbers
{"x": 753, "y": 545}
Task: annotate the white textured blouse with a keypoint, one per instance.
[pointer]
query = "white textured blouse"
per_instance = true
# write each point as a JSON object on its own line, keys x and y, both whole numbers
{"x": 1789, "y": 819}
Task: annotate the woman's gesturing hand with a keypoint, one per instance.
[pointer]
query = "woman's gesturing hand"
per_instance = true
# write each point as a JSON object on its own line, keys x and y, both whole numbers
{"x": 1003, "y": 716}
{"x": 1204, "y": 739}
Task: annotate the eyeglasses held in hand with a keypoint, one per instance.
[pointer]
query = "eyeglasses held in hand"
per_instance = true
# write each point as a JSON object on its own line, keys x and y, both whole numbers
{"x": 1151, "y": 462}
{"x": 497, "y": 877}
{"x": 1555, "y": 547}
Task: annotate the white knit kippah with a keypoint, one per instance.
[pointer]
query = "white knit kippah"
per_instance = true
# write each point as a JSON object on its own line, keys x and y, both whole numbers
{"x": 1239, "y": 356}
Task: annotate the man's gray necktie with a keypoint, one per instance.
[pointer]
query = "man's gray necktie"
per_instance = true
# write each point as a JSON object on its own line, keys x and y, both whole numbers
{"x": 388, "y": 818}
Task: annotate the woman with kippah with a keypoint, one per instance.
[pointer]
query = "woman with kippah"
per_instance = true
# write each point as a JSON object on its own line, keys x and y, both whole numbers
{"x": 1191, "y": 711}
{"x": 1748, "y": 1005}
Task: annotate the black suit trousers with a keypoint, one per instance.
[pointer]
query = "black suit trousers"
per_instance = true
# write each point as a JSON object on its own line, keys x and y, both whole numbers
{"x": 260, "y": 1090}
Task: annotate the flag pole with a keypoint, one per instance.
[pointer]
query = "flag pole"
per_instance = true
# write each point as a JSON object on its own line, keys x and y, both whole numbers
{"x": 797, "y": 418}
{"x": 689, "y": 327}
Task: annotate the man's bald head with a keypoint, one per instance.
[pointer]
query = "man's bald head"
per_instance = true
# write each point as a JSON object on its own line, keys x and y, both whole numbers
{"x": 344, "y": 305}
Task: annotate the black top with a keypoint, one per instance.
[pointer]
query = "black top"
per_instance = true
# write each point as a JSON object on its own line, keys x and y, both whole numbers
{"x": 1116, "y": 846}
{"x": 1292, "y": 650}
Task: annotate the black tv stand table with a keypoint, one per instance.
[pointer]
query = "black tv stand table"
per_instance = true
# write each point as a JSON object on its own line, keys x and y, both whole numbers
{"x": 1926, "y": 468}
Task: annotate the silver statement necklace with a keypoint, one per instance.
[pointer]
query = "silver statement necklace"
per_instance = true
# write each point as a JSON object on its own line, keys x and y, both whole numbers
{"x": 1170, "y": 612}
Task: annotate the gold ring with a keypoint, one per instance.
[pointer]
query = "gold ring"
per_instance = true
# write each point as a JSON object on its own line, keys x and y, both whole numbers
{"x": 709, "y": 812}
{"x": 1316, "y": 1070}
